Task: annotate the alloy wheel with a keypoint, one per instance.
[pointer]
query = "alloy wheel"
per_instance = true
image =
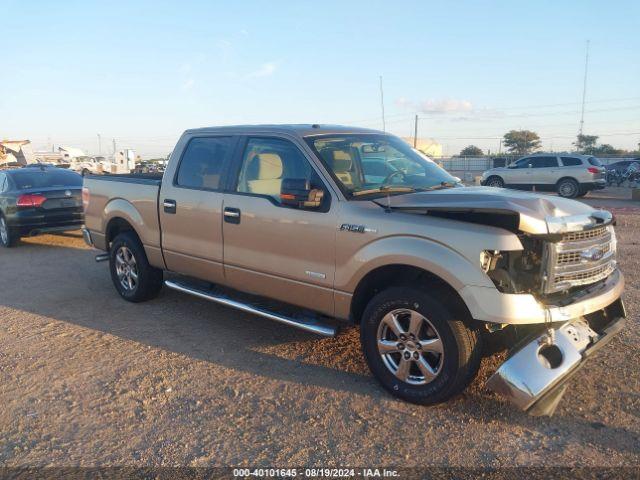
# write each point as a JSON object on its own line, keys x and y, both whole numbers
{"x": 410, "y": 346}
{"x": 126, "y": 268}
{"x": 567, "y": 189}
{"x": 4, "y": 231}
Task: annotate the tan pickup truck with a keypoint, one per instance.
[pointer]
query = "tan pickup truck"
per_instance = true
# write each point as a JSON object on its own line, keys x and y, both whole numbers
{"x": 313, "y": 225}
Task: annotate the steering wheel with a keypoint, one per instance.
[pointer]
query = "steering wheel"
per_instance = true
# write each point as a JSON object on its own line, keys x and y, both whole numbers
{"x": 389, "y": 177}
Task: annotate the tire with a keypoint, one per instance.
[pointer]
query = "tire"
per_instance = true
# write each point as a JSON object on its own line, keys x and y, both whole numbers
{"x": 453, "y": 361}
{"x": 85, "y": 172}
{"x": 568, "y": 188}
{"x": 8, "y": 235}
{"x": 134, "y": 279}
{"x": 495, "y": 181}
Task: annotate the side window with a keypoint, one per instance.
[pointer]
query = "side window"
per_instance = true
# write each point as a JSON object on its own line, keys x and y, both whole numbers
{"x": 523, "y": 163}
{"x": 267, "y": 161}
{"x": 544, "y": 162}
{"x": 571, "y": 161}
{"x": 3, "y": 182}
{"x": 202, "y": 163}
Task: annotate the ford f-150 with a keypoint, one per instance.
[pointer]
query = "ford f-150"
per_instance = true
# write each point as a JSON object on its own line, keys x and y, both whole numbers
{"x": 313, "y": 225}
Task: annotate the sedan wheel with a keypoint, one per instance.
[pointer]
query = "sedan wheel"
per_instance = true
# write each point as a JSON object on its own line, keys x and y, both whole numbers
{"x": 4, "y": 231}
{"x": 7, "y": 235}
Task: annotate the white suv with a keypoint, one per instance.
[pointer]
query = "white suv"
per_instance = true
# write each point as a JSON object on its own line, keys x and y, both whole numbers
{"x": 570, "y": 175}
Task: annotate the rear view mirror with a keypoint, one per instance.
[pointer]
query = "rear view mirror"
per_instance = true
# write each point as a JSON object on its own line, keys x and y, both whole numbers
{"x": 298, "y": 193}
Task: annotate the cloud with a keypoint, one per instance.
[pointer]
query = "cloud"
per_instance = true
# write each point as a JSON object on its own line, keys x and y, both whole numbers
{"x": 265, "y": 70}
{"x": 437, "y": 106}
{"x": 188, "y": 84}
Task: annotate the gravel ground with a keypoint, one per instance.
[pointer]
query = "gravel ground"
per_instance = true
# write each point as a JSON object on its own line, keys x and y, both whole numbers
{"x": 87, "y": 379}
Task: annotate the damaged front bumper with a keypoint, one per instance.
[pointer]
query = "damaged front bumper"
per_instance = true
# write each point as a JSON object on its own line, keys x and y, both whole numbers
{"x": 535, "y": 377}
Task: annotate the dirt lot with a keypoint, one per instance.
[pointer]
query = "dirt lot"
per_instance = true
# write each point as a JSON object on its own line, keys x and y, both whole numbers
{"x": 88, "y": 379}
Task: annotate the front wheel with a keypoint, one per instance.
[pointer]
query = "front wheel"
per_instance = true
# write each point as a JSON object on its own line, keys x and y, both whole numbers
{"x": 495, "y": 181}
{"x": 134, "y": 279}
{"x": 416, "y": 347}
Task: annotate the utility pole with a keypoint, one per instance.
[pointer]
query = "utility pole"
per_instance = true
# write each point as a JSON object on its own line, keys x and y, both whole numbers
{"x": 99, "y": 145}
{"x": 584, "y": 88}
{"x": 114, "y": 146}
{"x": 384, "y": 126}
{"x": 415, "y": 132}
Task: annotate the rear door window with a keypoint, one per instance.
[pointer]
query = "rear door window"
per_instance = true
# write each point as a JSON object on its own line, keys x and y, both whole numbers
{"x": 571, "y": 161}
{"x": 544, "y": 162}
{"x": 203, "y": 163}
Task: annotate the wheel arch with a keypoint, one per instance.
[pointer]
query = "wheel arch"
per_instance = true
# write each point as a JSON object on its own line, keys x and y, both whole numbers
{"x": 403, "y": 275}
{"x": 115, "y": 226}
{"x": 567, "y": 177}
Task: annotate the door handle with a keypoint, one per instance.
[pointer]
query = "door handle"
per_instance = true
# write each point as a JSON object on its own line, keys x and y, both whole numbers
{"x": 231, "y": 215}
{"x": 169, "y": 206}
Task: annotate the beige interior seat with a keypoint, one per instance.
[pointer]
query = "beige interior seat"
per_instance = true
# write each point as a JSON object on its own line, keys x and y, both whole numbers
{"x": 264, "y": 174}
{"x": 340, "y": 162}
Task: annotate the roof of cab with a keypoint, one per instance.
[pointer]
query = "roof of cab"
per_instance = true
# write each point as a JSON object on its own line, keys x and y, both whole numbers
{"x": 300, "y": 130}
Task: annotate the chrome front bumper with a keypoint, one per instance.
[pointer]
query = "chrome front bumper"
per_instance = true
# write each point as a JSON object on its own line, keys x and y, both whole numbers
{"x": 535, "y": 377}
{"x": 489, "y": 305}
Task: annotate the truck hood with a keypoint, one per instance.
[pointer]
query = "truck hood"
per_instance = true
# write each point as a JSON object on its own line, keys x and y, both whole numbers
{"x": 536, "y": 214}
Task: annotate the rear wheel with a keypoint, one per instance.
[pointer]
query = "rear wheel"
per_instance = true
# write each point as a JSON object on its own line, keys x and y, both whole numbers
{"x": 568, "y": 188}
{"x": 495, "y": 181}
{"x": 416, "y": 347}
{"x": 134, "y": 279}
{"x": 8, "y": 235}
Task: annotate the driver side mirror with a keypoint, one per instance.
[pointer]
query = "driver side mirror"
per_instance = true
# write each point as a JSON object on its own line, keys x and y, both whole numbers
{"x": 298, "y": 193}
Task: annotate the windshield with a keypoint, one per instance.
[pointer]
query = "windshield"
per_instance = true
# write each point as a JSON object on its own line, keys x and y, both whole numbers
{"x": 371, "y": 164}
{"x": 36, "y": 178}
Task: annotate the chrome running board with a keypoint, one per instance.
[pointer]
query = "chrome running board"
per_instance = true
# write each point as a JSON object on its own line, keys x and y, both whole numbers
{"x": 307, "y": 324}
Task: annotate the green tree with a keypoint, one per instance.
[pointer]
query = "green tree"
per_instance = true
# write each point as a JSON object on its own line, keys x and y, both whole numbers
{"x": 521, "y": 142}
{"x": 586, "y": 144}
{"x": 605, "y": 149}
{"x": 471, "y": 151}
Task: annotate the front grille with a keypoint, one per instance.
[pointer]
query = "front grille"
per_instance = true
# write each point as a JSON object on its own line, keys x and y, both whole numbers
{"x": 571, "y": 258}
{"x": 584, "y": 235}
{"x": 580, "y": 258}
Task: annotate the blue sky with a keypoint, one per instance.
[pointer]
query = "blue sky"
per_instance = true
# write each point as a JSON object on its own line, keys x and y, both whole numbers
{"x": 142, "y": 72}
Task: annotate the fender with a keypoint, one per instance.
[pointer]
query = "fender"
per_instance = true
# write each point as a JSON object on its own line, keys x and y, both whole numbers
{"x": 428, "y": 255}
{"x": 148, "y": 234}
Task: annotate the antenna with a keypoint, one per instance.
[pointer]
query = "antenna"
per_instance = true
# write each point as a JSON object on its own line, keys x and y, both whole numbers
{"x": 384, "y": 126}
{"x": 584, "y": 88}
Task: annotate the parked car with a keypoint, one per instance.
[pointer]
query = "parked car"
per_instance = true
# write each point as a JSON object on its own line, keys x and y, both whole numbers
{"x": 38, "y": 199}
{"x": 622, "y": 166}
{"x": 570, "y": 176}
{"x": 430, "y": 270}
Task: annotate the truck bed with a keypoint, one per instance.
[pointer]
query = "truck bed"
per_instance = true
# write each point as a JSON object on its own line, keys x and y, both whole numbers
{"x": 130, "y": 197}
{"x": 140, "y": 178}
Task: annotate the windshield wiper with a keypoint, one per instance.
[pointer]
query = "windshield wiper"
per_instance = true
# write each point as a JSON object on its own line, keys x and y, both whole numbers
{"x": 384, "y": 189}
{"x": 440, "y": 186}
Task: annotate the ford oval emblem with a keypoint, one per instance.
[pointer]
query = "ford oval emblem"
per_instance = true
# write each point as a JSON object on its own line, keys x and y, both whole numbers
{"x": 593, "y": 254}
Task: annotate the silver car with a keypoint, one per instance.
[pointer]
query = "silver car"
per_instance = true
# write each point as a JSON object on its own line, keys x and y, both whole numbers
{"x": 569, "y": 175}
